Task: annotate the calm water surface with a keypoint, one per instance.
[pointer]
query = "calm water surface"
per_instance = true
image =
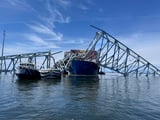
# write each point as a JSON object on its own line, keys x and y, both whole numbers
{"x": 109, "y": 97}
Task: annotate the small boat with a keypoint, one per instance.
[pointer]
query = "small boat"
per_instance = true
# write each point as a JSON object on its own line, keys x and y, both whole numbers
{"x": 50, "y": 73}
{"x": 27, "y": 71}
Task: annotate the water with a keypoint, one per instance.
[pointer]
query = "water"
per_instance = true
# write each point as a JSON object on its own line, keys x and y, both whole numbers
{"x": 109, "y": 97}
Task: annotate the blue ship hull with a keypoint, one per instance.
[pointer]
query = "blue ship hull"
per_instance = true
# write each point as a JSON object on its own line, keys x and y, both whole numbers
{"x": 79, "y": 67}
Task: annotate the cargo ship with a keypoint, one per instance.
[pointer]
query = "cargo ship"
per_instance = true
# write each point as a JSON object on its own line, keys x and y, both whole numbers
{"x": 80, "y": 67}
{"x": 81, "y": 62}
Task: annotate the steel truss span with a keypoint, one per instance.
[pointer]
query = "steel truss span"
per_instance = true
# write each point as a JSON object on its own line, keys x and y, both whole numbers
{"x": 10, "y": 62}
{"x": 116, "y": 56}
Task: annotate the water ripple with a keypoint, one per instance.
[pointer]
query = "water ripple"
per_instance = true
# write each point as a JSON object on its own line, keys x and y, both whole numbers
{"x": 71, "y": 98}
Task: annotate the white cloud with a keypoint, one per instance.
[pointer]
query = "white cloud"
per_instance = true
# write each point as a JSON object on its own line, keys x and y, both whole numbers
{"x": 150, "y": 51}
{"x": 47, "y": 25}
{"x": 64, "y": 3}
{"x": 145, "y": 44}
{"x": 22, "y": 48}
{"x": 40, "y": 42}
{"x": 17, "y": 4}
{"x": 36, "y": 39}
{"x": 75, "y": 40}
{"x": 90, "y": 2}
{"x": 55, "y": 16}
{"x": 58, "y": 17}
{"x": 83, "y": 7}
{"x": 33, "y": 43}
{"x": 42, "y": 29}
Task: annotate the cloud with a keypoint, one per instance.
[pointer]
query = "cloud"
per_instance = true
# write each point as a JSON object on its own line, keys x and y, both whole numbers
{"x": 36, "y": 39}
{"x": 40, "y": 42}
{"x": 150, "y": 51}
{"x": 42, "y": 29}
{"x": 19, "y": 49}
{"x": 42, "y": 26}
{"x": 145, "y": 44}
{"x": 64, "y": 3}
{"x": 74, "y": 41}
{"x": 83, "y": 7}
{"x": 59, "y": 17}
{"x": 55, "y": 16}
{"x": 46, "y": 24}
{"x": 27, "y": 44}
{"x": 16, "y": 4}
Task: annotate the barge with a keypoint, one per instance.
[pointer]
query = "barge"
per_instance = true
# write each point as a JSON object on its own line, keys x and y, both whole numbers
{"x": 50, "y": 73}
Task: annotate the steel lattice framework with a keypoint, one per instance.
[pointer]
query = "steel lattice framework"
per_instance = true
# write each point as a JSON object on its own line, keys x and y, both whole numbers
{"x": 116, "y": 56}
{"x": 10, "y": 62}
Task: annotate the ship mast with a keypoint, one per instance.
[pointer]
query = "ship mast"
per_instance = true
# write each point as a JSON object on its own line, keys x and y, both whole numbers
{"x": 2, "y": 48}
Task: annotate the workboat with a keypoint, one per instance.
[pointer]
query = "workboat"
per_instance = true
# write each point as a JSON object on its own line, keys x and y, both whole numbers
{"x": 27, "y": 71}
{"x": 50, "y": 73}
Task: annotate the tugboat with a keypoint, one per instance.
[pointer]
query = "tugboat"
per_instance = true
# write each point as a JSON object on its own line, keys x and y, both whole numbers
{"x": 27, "y": 71}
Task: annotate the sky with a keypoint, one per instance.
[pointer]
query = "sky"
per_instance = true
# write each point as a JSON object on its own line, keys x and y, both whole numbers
{"x": 61, "y": 25}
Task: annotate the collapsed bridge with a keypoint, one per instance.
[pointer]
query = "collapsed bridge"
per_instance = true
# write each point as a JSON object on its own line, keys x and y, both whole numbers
{"x": 111, "y": 54}
{"x": 116, "y": 56}
{"x": 9, "y": 63}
